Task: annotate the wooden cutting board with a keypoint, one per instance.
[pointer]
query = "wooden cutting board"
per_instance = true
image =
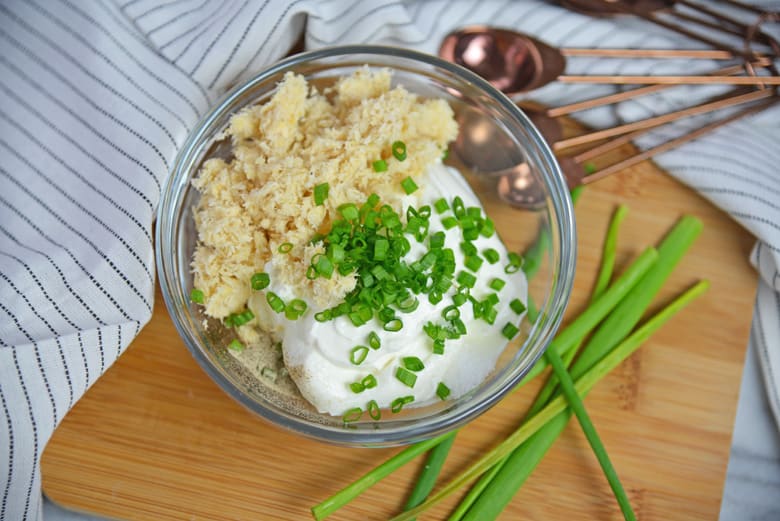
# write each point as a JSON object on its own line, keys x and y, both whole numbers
{"x": 156, "y": 439}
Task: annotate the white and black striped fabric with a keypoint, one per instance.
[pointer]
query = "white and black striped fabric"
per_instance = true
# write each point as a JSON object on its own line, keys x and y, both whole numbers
{"x": 95, "y": 98}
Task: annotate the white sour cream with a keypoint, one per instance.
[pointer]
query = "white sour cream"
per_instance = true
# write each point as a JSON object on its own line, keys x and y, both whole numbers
{"x": 317, "y": 354}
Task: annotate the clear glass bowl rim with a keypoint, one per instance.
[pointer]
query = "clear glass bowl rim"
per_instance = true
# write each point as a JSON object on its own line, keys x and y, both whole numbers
{"x": 564, "y": 232}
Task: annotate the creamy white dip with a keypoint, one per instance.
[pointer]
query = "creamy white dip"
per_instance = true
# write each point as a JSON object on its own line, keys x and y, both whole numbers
{"x": 317, "y": 353}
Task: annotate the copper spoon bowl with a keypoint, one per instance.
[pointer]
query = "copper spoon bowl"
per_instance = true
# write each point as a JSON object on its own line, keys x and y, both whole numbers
{"x": 513, "y": 63}
{"x": 510, "y": 61}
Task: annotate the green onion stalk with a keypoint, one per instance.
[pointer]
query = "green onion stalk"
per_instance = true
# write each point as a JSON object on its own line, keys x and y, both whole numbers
{"x": 505, "y": 481}
{"x": 555, "y": 408}
{"x": 544, "y": 395}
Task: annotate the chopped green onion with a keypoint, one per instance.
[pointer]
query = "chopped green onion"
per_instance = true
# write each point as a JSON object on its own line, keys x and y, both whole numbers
{"x": 466, "y": 279}
{"x": 239, "y": 319}
{"x": 445, "y": 154}
{"x": 236, "y": 345}
{"x": 321, "y": 193}
{"x": 589, "y": 167}
{"x": 441, "y": 205}
{"x": 515, "y": 263}
{"x": 517, "y": 306}
{"x": 488, "y": 227}
{"x": 369, "y": 382}
{"x": 432, "y": 330}
{"x": 460, "y": 326}
{"x": 295, "y": 308}
{"x": 497, "y": 284}
{"x": 468, "y": 249}
{"x": 335, "y": 253}
{"x": 357, "y": 387}
{"x": 467, "y": 222}
{"x": 323, "y": 316}
{"x": 393, "y": 325}
{"x": 413, "y": 363}
{"x": 386, "y": 314}
{"x": 380, "y": 249}
{"x": 409, "y": 305}
{"x": 380, "y": 273}
{"x": 409, "y": 186}
{"x": 356, "y": 318}
{"x": 322, "y": 265}
{"x": 450, "y": 313}
{"x": 358, "y": 354}
{"x": 458, "y": 208}
{"x": 276, "y": 303}
{"x": 196, "y": 296}
{"x": 478, "y": 308}
{"x": 459, "y": 299}
{"x": 405, "y": 376}
{"x": 489, "y": 314}
{"x": 380, "y": 165}
{"x": 399, "y": 150}
{"x": 268, "y": 373}
{"x": 449, "y": 222}
{"x": 509, "y": 331}
{"x": 442, "y": 391}
{"x": 352, "y": 415}
{"x": 373, "y": 410}
{"x": 349, "y": 211}
{"x": 373, "y": 340}
{"x": 260, "y": 281}
{"x": 436, "y": 240}
{"x": 473, "y": 263}
{"x": 398, "y": 404}
{"x": 490, "y": 255}
{"x": 471, "y": 234}
{"x": 438, "y": 346}
{"x": 285, "y": 247}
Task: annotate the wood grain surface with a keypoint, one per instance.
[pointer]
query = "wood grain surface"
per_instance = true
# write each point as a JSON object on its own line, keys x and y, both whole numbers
{"x": 156, "y": 439}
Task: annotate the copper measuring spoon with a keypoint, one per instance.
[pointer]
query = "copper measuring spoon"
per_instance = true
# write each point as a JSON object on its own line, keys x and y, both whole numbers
{"x": 514, "y": 62}
{"x": 521, "y": 188}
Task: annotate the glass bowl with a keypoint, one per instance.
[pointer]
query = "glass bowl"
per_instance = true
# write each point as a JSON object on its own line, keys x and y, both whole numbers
{"x": 550, "y": 229}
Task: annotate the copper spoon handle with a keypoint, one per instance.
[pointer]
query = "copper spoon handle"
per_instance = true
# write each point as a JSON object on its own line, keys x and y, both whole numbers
{"x": 639, "y": 91}
{"x": 660, "y": 120}
{"x": 647, "y": 154}
{"x": 673, "y": 80}
{"x": 617, "y": 141}
{"x": 698, "y": 54}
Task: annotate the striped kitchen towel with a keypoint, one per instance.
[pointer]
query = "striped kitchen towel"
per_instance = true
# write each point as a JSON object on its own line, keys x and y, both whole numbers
{"x": 95, "y": 99}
